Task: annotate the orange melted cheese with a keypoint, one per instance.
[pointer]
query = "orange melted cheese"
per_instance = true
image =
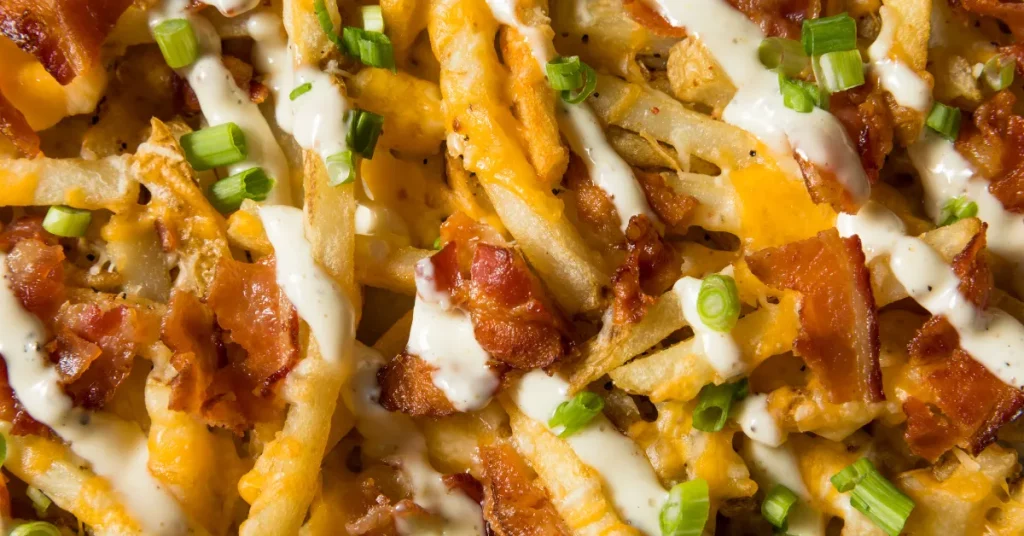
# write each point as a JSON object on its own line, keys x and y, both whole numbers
{"x": 776, "y": 209}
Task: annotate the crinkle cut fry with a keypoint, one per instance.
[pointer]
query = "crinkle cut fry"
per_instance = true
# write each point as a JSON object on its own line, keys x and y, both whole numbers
{"x": 482, "y": 131}
{"x": 281, "y": 485}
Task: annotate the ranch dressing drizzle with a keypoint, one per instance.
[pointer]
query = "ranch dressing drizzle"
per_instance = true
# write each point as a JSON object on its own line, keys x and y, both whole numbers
{"x": 905, "y": 86}
{"x": 394, "y": 438}
{"x": 757, "y": 422}
{"x": 442, "y": 335}
{"x": 233, "y": 8}
{"x": 757, "y": 106}
{"x": 115, "y": 449}
{"x": 313, "y": 293}
{"x": 721, "y": 350}
{"x": 992, "y": 337}
{"x": 627, "y": 474}
{"x": 222, "y": 101}
{"x": 586, "y": 138}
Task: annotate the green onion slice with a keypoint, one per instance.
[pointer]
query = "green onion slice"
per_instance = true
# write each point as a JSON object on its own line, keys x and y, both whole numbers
{"x": 227, "y": 194}
{"x": 341, "y": 168}
{"x": 795, "y": 96}
{"x": 373, "y": 19}
{"x": 300, "y": 90}
{"x": 718, "y": 302}
{"x": 998, "y": 72}
{"x": 350, "y": 38}
{"x": 40, "y": 502}
{"x": 36, "y": 528}
{"x": 714, "y": 403}
{"x": 363, "y": 130}
{"x": 840, "y": 70}
{"x": 829, "y": 34}
{"x": 326, "y": 24}
{"x": 882, "y": 502}
{"x": 785, "y": 55}
{"x": 375, "y": 50}
{"x": 851, "y": 475}
{"x": 956, "y": 209}
{"x": 572, "y": 96}
{"x": 216, "y": 146}
{"x": 945, "y": 120}
{"x": 572, "y": 415}
{"x": 777, "y": 504}
{"x": 437, "y": 243}
{"x": 66, "y": 221}
{"x": 686, "y": 510}
{"x": 565, "y": 72}
{"x": 177, "y": 41}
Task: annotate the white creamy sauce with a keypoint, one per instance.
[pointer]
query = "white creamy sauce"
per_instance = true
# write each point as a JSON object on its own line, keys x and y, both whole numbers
{"x": 222, "y": 101}
{"x": 757, "y": 106}
{"x": 115, "y": 449}
{"x": 945, "y": 174}
{"x": 771, "y": 465}
{"x": 313, "y": 293}
{"x": 906, "y": 87}
{"x": 583, "y": 131}
{"x": 232, "y": 8}
{"x": 442, "y": 335}
{"x": 627, "y": 474}
{"x": 394, "y": 438}
{"x": 720, "y": 349}
{"x": 992, "y": 337}
{"x": 757, "y": 422}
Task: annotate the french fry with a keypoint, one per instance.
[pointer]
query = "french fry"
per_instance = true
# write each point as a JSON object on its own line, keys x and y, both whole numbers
{"x": 411, "y": 108}
{"x": 89, "y": 184}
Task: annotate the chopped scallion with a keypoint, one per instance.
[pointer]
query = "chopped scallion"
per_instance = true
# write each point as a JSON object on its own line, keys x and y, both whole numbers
{"x": 945, "y": 120}
{"x": 437, "y": 243}
{"x": 795, "y": 96}
{"x": 829, "y": 34}
{"x": 714, "y": 403}
{"x": 215, "y": 146}
{"x": 580, "y": 94}
{"x": 36, "y": 528}
{"x": 363, "y": 130}
{"x": 777, "y": 504}
{"x": 686, "y": 510}
{"x": 66, "y": 221}
{"x": 840, "y": 70}
{"x": 40, "y": 502}
{"x": 874, "y": 496}
{"x": 572, "y": 415}
{"x": 341, "y": 168}
{"x": 375, "y": 50}
{"x": 373, "y": 19}
{"x": 326, "y": 24}
{"x": 851, "y": 475}
{"x": 227, "y": 194}
{"x": 177, "y": 41}
{"x": 565, "y": 72}
{"x": 956, "y": 209}
{"x": 998, "y": 71}
{"x": 300, "y": 90}
{"x": 785, "y": 55}
{"x": 350, "y": 38}
{"x": 718, "y": 302}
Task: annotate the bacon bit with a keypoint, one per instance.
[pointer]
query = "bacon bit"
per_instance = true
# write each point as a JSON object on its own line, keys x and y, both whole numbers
{"x": 465, "y": 483}
{"x": 641, "y": 12}
{"x": 241, "y": 72}
{"x": 95, "y": 348}
{"x": 13, "y": 412}
{"x": 993, "y": 141}
{"x": 257, "y": 316}
{"x": 1012, "y": 13}
{"x": 64, "y": 35}
{"x": 24, "y": 228}
{"x": 655, "y": 110}
{"x": 406, "y": 385}
{"x": 650, "y": 268}
{"x": 868, "y": 122}
{"x": 36, "y": 273}
{"x": 672, "y": 207}
{"x": 825, "y": 187}
{"x": 15, "y": 127}
{"x": 594, "y": 209}
{"x": 839, "y": 327}
{"x": 378, "y": 518}
{"x": 971, "y": 403}
{"x": 513, "y": 504}
{"x": 779, "y": 18}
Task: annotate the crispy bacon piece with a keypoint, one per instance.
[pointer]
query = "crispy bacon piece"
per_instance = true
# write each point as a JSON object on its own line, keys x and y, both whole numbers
{"x": 777, "y": 18}
{"x": 24, "y": 228}
{"x": 241, "y": 72}
{"x": 378, "y": 518}
{"x": 839, "y": 327}
{"x": 868, "y": 122}
{"x": 671, "y": 207}
{"x": 407, "y": 385}
{"x": 970, "y": 403}
{"x": 1012, "y": 13}
{"x": 15, "y": 127}
{"x": 513, "y": 504}
{"x": 642, "y": 12}
{"x": 650, "y": 268}
{"x": 64, "y": 35}
{"x": 36, "y": 273}
{"x": 594, "y": 209}
{"x": 993, "y": 141}
{"x": 95, "y": 347}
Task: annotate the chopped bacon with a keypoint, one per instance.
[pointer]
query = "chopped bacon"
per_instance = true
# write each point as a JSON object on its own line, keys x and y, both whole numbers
{"x": 465, "y": 483}
{"x": 970, "y": 402}
{"x": 24, "y": 228}
{"x": 650, "y": 268}
{"x": 15, "y": 127}
{"x": 777, "y": 18}
{"x": 1010, "y": 12}
{"x": 13, "y": 412}
{"x": 95, "y": 348}
{"x": 36, "y": 274}
{"x": 513, "y": 504}
{"x": 64, "y": 35}
{"x": 672, "y": 207}
{"x": 644, "y": 15}
{"x": 993, "y": 141}
{"x": 241, "y": 72}
{"x": 407, "y": 385}
{"x": 378, "y": 517}
{"x": 839, "y": 327}
{"x": 868, "y": 122}
{"x": 594, "y": 209}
